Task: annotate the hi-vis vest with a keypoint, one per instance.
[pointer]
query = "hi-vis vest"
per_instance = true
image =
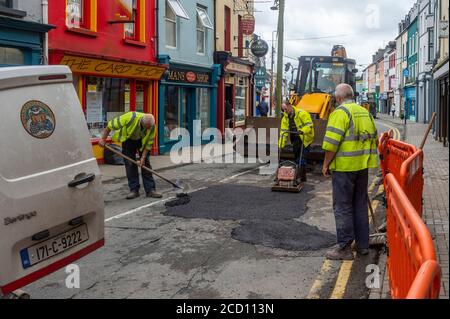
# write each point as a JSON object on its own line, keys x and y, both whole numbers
{"x": 352, "y": 135}
{"x": 125, "y": 125}
{"x": 303, "y": 122}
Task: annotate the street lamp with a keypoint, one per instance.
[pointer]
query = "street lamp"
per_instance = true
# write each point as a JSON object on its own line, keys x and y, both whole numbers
{"x": 271, "y": 73}
{"x": 279, "y": 5}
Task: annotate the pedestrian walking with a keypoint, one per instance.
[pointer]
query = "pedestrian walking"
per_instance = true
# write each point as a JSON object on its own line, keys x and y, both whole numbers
{"x": 136, "y": 131}
{"x": 263, "y": 107}
{"x": 393, "y": 110}
{"x": 297, "y": 120}
{"x": 351, "y": 150}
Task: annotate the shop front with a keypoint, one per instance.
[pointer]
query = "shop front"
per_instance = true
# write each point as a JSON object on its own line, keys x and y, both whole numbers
{"x": 410, "y": 103}
{"x": 236, "y": 86}
{"x": 21, "y": 42}
{"x": 187, "y": 99}
{"x": 110, "y": 88}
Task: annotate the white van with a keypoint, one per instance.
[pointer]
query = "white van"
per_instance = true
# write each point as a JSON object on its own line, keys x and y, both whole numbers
{"x": 51, "y": 197}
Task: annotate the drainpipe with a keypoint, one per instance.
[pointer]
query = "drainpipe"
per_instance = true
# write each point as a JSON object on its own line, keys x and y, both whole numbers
{"x": 45, "y": 21}
{"x": 156, "y": 37}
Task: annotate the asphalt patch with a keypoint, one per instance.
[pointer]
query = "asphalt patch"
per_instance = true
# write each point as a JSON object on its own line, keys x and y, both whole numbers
{"x": 266, "y": 218}
{"x": 242, "y": 202}
{"x": 294, "y": 235}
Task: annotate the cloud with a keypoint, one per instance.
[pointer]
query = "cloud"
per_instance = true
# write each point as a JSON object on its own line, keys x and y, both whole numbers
{"x": 361, "y": 26}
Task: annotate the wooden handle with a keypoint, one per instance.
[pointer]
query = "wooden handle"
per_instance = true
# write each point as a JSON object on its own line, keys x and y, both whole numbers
{"x": 143, "y": 167}
{"x": 430, "y": 126}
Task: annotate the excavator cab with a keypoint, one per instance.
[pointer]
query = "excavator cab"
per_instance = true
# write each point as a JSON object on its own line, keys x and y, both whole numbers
{"x": 316, "y": 83}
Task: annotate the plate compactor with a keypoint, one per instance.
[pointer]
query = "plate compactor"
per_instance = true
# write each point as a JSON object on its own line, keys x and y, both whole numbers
{"x": 287, "y": 177}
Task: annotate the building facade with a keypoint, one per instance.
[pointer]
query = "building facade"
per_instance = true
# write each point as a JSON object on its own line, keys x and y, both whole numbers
{"x": 110, "y": 48}
{"x": 441, "y": 71}
{"x": 22, "y": 33}
{"x": 401, "y": 65}
{"x": 232, "y": 52}
{"x": 425, "y": 60}
{"x": 188, "y": 95}
{"x": 390, "y": 55}
{"x": 410, "y": 88}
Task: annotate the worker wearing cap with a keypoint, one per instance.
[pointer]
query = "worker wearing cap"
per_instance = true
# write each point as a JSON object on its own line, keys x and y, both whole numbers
{"x": 136, "y": 131}
{"x": 297, "y": 120}
{"x": 350, "y": 143}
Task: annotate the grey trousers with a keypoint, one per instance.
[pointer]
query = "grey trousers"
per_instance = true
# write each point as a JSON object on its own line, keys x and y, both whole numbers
{"x": 350, "y": 207}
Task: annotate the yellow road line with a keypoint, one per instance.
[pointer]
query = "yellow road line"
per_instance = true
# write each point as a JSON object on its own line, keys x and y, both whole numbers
{"x": 342, "y": 280}
{"x": 318, "y": 283}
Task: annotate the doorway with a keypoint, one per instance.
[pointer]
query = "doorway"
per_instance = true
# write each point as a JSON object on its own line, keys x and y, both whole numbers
{"x": 229, "y": 99}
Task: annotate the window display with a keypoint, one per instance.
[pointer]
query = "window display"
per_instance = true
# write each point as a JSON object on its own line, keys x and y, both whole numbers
{"x": 171, "y": 114}
{"x": 241, "y": 100}
{"x": 105, "y": 100}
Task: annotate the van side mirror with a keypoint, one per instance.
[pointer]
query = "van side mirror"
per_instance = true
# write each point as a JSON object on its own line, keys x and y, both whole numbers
{"x": 355, "y": 71}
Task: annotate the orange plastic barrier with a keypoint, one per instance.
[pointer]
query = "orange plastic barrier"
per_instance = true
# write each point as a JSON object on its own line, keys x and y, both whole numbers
{"x": 427, "y": 282}
{"x": 411, "y": 180}
{"x": 396, "y": 154}
{"x": 382, "y": 149}
{"x": 409, "y": 243}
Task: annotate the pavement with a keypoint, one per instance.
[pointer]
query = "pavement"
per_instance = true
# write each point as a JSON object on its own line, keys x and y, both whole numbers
{"x": 436, "y": 199}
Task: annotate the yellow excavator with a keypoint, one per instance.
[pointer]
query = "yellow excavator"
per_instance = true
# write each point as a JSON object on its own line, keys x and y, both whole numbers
{"x": 316, "y": 82}
{"x": 313, "y": 92}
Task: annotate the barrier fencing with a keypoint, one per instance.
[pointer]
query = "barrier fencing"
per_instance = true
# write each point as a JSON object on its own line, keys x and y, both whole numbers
{"x": 413, "y": 270}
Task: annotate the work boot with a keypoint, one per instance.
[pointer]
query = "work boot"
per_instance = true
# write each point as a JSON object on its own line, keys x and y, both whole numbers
{"x": 362, "y": 251}
{"x": 133, "y": 195}
{"x": 154, "y": 194}
{"x": 339, "y": 253}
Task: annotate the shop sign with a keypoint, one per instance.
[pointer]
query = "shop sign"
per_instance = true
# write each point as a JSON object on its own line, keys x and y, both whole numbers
{"x": 112, "y": 68}
{"x": 443, "y": 29}
{"x": 259, "y": 48}
{"x": 248, "y": 24}
{"x": 185, "y": 76}
{"x": 239, "y": 68}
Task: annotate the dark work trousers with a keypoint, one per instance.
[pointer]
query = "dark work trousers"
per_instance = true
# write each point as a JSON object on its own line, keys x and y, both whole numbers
{"x": 129, "y": 149}
{"x": 297, "y": 145}
{"x": 350, "y": 207}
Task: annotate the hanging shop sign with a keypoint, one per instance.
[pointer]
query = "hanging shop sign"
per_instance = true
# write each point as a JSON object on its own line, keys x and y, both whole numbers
{"x": 238, "y": 68}
{"x": 248, "y": 24}
{"x": 259, "y": 48}
{"x": 188, "y": 76}
{"x": 112, "y": 68}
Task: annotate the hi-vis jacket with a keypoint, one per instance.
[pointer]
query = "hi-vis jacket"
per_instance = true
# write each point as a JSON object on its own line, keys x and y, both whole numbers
{"x": 304, "y": 124}
{"x": 352, "y": 135}
{"x": 125, "y": 125}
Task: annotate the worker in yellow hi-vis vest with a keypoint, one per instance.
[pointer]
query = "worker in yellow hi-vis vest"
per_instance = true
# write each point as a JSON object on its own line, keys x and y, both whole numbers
{"x": 136, "y": 131}
{"x": 350, "y": 143}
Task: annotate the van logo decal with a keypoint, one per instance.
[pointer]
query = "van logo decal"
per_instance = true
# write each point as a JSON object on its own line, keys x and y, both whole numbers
{"x": 38, "y": 119}
{"x": 22, "y": 217}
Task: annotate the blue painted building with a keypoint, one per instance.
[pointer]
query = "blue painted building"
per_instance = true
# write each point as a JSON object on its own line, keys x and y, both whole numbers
{"x": 413, "y": 70}
{"x": 188, "y": 92}
{"x": 21, "y": 33}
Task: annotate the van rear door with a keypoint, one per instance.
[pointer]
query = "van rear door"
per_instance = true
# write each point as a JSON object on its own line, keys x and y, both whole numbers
{"x": 51, "y": 202}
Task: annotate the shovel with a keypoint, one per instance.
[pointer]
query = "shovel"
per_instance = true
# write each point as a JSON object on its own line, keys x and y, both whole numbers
{"x": 177, "y": 184}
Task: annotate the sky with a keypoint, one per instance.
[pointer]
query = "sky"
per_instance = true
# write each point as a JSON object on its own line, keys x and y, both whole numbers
{"x": 362, "y": 26}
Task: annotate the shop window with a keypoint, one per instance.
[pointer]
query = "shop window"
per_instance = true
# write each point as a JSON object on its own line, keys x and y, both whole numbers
{"x": 241, "y": 100}
{"x": 203, "y": 23}
{"x": 11, "y": 56}
{"x": 6, "y": 3}
{"x": 203, "y": 111}
{"x": 106, "y": 98}
{"x": 140, "y": 98}
{"x": 171, "y": 110}
{"x": 81, "y": 14}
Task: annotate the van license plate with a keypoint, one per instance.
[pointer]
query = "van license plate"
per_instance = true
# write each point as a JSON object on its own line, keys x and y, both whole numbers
{"x": 54, "y": 246}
